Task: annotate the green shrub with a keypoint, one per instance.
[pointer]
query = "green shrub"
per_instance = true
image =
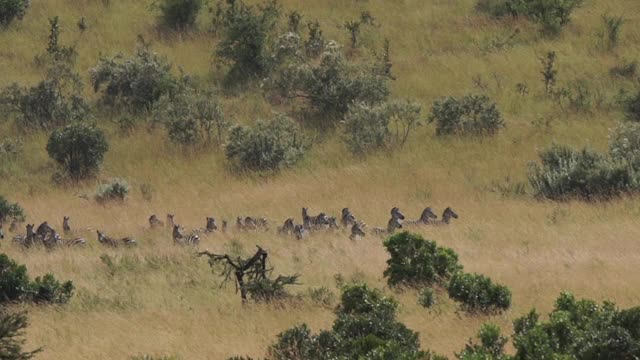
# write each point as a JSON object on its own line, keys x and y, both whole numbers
{"x": 10, "y": 211}
{"x": 179, "y": 14}
{"x": 551, "y": 14}
{"x": 246, "y": 39}
{"x": 478, "y": 293}
{"x": 612, "y": 29}
{"x": 135, "y": 83}
{"x": 491, "y": 345}
{"x": 627, "y": 70}
{"x": 116, "y": 190}
{"x": 268, "y": 290}
{"x": 10, "y": 148}
{"x": 624, "y": 145}
{"x": 427, "y": 297}
{"x": 469, "y": 115}
{"x": 368, "y": 128}
{"x": 49, "y": 290}
{"x": 78, "y": 148}
{"x": 267, "y": 146}
{"x": 12, "y": 328}
{"x": 632, "y": 107}
{"x": 15, "y": 285}
{"x": 565, "y": 173}
{"x": 12, "y": 9}
{"x": 415, "y": 261}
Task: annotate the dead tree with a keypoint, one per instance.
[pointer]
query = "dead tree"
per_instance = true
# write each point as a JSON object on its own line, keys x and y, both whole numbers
{"x": 250, "y": 275}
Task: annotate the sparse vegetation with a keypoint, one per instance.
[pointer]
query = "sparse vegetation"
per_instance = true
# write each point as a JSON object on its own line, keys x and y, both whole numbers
{"x": 115, "y": 190}
{"x": 469, "y": 115}
{"x": 551, "y": 15}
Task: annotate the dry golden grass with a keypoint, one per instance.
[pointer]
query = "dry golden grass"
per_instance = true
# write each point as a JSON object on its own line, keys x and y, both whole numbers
{"x": 163, "y": 300}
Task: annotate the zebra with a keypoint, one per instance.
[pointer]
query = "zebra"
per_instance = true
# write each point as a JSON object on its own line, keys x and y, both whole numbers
{"x": 252, "y": 223}
{"x": 347, "y": 219}
{"x": 287, "y": 227}
{"x": 357, "y": 231}
{"x": 447, "y": 215}
{"x": 43, "y": 230}
{"x": 1, "y": 232}
{"x": 65, "y": 224}
{"x": 300, "y": 232}
{"x": 427, "y": 217}
{"x": 240, "y": 224}
{"x": 28, "y": 240}
{"x": 111, "y": 242}
{"x": 394, "y": 223}
{"x": 211, "y": 225}
{"x": 332, "y": 223}
{"x": 56, "y": 240}
{"x": 154, "y": 222}
{"x": 313, "y": 222}
{"x": 179, "y": 239}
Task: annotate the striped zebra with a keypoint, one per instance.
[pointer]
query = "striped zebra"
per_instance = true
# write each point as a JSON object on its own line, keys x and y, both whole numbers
{"x": 26, "y": 240}
{"x": 299, "y": 232}
{"x": 313, "y": 222}
{"x": 347, "y": 219}
{"x": 211, "y": 225}
{"x": 447, "y": 215}
{"x": 65, "y": 225}
{"x": 179, "y": 239}
{"x": 394, "y": 223}
{"x": 357, "y": 231}
{"x": 427, "y": 217}
{"x": 154, "y": 222}
{"x": 43, "y": 230}
{"x": 111, "y": 242}
{"x": 57, "y": 240}
{"x": 287, "y": 227}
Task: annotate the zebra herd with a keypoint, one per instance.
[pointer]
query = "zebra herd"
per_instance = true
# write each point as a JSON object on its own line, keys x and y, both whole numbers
{"x": 47, "y": 236}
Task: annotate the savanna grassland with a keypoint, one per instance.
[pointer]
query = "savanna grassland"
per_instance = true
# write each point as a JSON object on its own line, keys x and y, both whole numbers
{"x": 161, "y": 299}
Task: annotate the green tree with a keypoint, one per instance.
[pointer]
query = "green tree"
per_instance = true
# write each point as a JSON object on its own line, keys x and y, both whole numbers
{"x": 78, "y": 148}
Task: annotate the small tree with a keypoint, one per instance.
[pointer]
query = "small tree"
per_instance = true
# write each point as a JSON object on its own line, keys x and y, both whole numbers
{"x": 15, "y": 285}
{"x": 469, "y": 115}
{"x": 9, "y": 211}
{"x": 115, "y": 190}
{"x": 478, "y": 293}
{"x": 491, "y": 345}
{"x": 268, "y": 146}
{"x": 78, "y": 148}
{"x": 12, "y": 9}
{"x": 178, "y": 14}
{"x": 12, "y": 328}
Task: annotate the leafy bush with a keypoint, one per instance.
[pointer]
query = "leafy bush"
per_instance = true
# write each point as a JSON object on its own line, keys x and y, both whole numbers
{"x": 268, "y": 146}
{"x": 491, "y": 345}
{"x": 116, "y": 190}
{"x": 12, "y": 328}
{"x": 78, "y": 148}
{"x": 624, "y": 145}
{"x": 470, "y": 115}
{"x": 365, "y": 328}
{"x": 245, "y": 42}
{"x": 427, "y": 297}
{"x": 579, "y": 329}
{"x": 179, "y": 14}
{"x": 192, "y": 117}
{"x": 551, "y": 14}
{"x": 10, "y": 148}
{"x": 12, "y": 9}
{"x": 415, "y": 261}
{"x": 9, "y": 211}
{"x": 478, "y": 292}
{"x": 135, "y": 83}
{"x": 372, "y": 127}
{"x": 565, "y": 173}
{"x": 15, "y": 285}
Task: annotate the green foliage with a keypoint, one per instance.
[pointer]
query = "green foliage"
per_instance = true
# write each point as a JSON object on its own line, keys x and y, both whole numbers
{"x": 478, "y": 293}
{"x": 427, "y": 297}
{"x": 267, "y": 146}
{"x": 12, "y": 9}
{"x": 469, "y": 115}
{"x": 15, "y": 285}
{"x": 10, "y": 211}
{"x": 12, "y": 328}
{"x": 246, "y": 39}
{"x": 552, "y": 15}
{"x": 135, "y": 83}
{"x": 369, "y": 128}
{"x": 365, "y": 328}
{"x": 268, "y": 290}
{"x": 579, "y": 329}
{"x": 624, "y": 145}
{"x": 78, "y": 148}
{"x": 565, "y": 173}
{"x": 491, "y": 345}
{"x": 179, "y": 14}
{"x": 632, "y": 107}
{"x": 192, "y": 117}
{"x": 115, "y": 190}
{"x": 415, "y": 261}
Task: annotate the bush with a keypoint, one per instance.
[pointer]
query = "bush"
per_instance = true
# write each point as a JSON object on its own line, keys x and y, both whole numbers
{"x": 627, "y": 70}
{"x": 9, "y": 211}
{"x": 268, "y": 146}
{"x": 491, "y": 345}
{"x": 427, "y": 297}
{"x": 116, "y": 190}
{"x": 192, "y": 118}
{"x": 179, "y": 14}
{"x": 415, "y": 261}
{"x": 12, "y": 9}
{"x": 551, "y": 14}
{"x": 365, "y": 328}
{"x": 135, "y": 83}
{"x": 78, "y": 148}
{"x": 565, "y": 173}
{"x": 624, "y": 145}
{"x": 245, "y": 42}
{"x": 12, "y": 328}
{"x": 478, "y": 293}
{"x": 632, "y": 107}
{"x": 15, "y": 285}
{"x": 369, "y": 128}
{"x": 470, "y": 115}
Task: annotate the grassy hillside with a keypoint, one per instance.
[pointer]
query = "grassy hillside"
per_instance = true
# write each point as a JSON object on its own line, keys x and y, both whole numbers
{"x": 160, "y": 299}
